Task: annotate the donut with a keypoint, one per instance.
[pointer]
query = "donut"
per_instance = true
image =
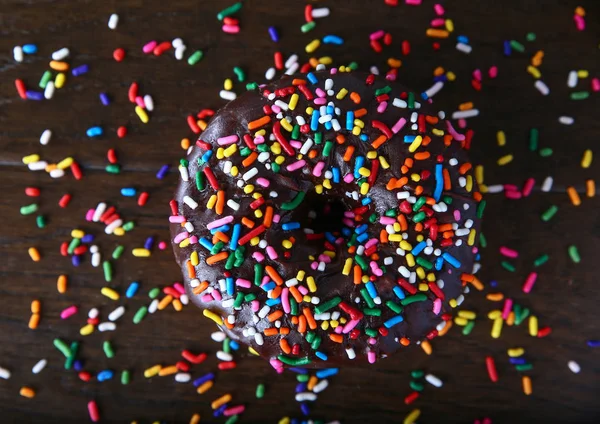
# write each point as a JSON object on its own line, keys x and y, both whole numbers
{"x": 328, "y": 218}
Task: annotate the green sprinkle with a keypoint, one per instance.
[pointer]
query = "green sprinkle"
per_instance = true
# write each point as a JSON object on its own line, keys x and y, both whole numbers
{"x": 541, "y": 260}
{"x": 391, "y": 213}
{"x": 232, "y": 419}
{"x": 217, "y": 247}
{"x": 318, "y": 137}
{"x": 481, "y": 208}
{"x": 316, "y": 343}
{"x": 524, "y": 367}
{"x": 294, "y": 362}
{"x": 309, "y": 26}
{"x": 230, "y": 262}
{"x": 468, "y": 328}
{"x": 327, "y": 148}
{"x": 416, "y": 386}
{"x": 125, "y": 377}
{"x": 420, "y": 202}
{"x": 353, "y": 66}
{"x": 508, "y": 266}
{"x": 128, "y": 226}
{"x": 258, "y": 274}
{"x": 293, "y": 306}
{"x": 383, "y": 90}
{"x": 108, "y": 349}
{"x": 419, "y": 297}
{"x": 296, "y": 132}
{"x": 195, "y": 57}
{"x": 545, "y": 152}
{"x": 302, "y": 378}
{"x": 418, "y": 217}
{"x": 424, "y": 263}
{"x": 260, "y": 391}
{"x": 62, "y": 346}
{"x": 274, "y": 166}
{"x": 393, "y": 306}
{"x": 411, "y": 100}
{"x": 249, "y": 297}
{"x": 417, "y": 373}
{"x": 113, "y": 168}
{"x": 229, "y": 10}
{"x": 574, "y": 254}
{"x": 362, "y": 262}
{"x": 239, "y": 73}
{"x": 184, "y": 162}
{"x": 153, "y": 293}
{"x": 227, "y": 345}
{"x": 580, "y": 95}
{"x": 482, "y": 240}
{"x": 108, "y": 273}
{"x": 200, "y": 181}
{"x": 140, "y": 314}
{"x": 517, "y": 46}
{"x": 325, "y": 306}
{"x": 288, "y": 206}
{"x": 371, "y": 332}
{"x": 534, "y": 136}
{"x": 46, "y": 77}
{"x": 530, "y": 36}
{"x": 116, "y": 254}
{"x": 519, "y": 318}
{"x": 40, "y": 221}
{"x": 447, "y": 199}
{"x": 373, "y": 218}
{"x": 365, "y": 294}
{"x": 251, "y": 86}
{"x": 372, "y": 312}
{"x": 549, "y": 214}
{"x": 29, "y": 209}
{"x": 310, "y": 336}
{"x": 73, "y": 245}
{"x": 72, "y": 355}
{"x": 239, "y": 299}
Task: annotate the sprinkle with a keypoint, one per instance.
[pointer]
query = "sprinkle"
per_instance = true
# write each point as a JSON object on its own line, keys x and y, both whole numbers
{"x": 412, "y": 417}
{"x": 527, "y": 389}
{"x": 566, "y": 120}
{"x": 586, "y": 160}
{"x": 27, "y": 392}
{"x": 574, "y": 254}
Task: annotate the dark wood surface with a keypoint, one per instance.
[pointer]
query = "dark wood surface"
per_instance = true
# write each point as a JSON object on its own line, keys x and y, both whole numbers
{"x": 564, "y": 298}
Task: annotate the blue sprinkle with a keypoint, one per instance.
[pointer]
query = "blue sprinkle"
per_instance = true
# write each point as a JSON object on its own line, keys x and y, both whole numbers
{"x": 451, "y": 260}
{"x": 206, "y": 243}
{"x": 438, "y": 263}
{"x": 222, "y": 228}
{"x": 463, "y": 39}
{"x": 300, "y": 387}
{"x": 207, "y": 155}
{"x": 273, "y": 33}
{"x": 328, "y": 125}
{"x": 327, "y": 372}
{"x": 311, "y": 77}
{"x": 75, "y": 260}
{"x": 371, "y": 289}
{"x": 366, "y": 200}
{"x": 34, "y": 95}
{"x": 507, "y": 49}
{"x": 80, "y": 70}
{"x": 330, "y": 237}
{"x": 593, "y": 343}
{"x": 104, "y": 99}
{"x": 132, "y": 289}
{"x": 346, "y": 232}
{"x": 363, "y": 137}
{"x": 105, "y": 375}
{"x": 273, "y": 302}
{"x": 298, "y": 370}
{"x": 393, "y": 321}
{"x": 349, "y": 120}
{"x": 289, "y": 226}
{"x": 219, "y": 411}
{"x": 362, "y": 238}
{"x": 234, "y": 345}
{"x": 304, "y": 408}
{"x": 333, "y": 39}
{"x": 30, "y": 49}
{"x": 517, "y": 361}
{"x": 360, "y": 160}
{"x": 439, "y": 182}
{"x": 329, "y": 110}
{"x": 78, "y": 365}
{"x": 419, "y": 248}
{"x": 478, "y": 256}
{"x": 398, "y": 292}
{"x": 162, "y": 172}
{"x": 442, "y": 78}
{"x": 128, "y": 191}
{"x": 409, "y": 138}
{"x": 361, "y": 229}
{"x": 149, "y": 243}
{"x": 88, "y": 238}
{"x": 314, "y": 120}
{"x": 493, "y": 283}
{"x": 321, "y": 355}
{"x": 269, "y": 286}
{"x": 94, "y": 131}
{"x": 336, "y": 174}
{"x": 201, "y": 380}
{"x": 424, "y": 96}
{"x": 235, "y": 236}
{"x": 230, "y": 286}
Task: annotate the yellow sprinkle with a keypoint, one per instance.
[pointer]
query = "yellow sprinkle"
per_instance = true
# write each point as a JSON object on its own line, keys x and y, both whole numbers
{"x": 65, "y": 163}
{"x": 412, "y": 417}
{"x": 287, "y": 244}
{"x": 110, "y": 293}
{"x": 119, "y": 231}
{"x": 479, "y": 174}
{"x": 140, "y": 252}
{"x": 533, "y": 326}
{"x": 30, "y": 158}
{"x": 437, "y": 132}
{"x": 194, "y": 258}
{"x": 60, "y": 80}
{"x": 364, "y": 188}
{"x": 404, "y": 245}
{"x": 325, "y": 325}
{"x": 87, "y": 330}
{"x": 341, "y": 94}
{"x": 372, "y": 154}
{"x": 252, "y": 351}
{"x": 450, "y": 75}
{"x": 230, "y": 150}
{"x": 494, "y": 314}
{"x": 286, "y": 125}
{"x": 501, "y": 138}
{"x": 205, "y": 387}
{"x": 471, "y": 239}
{"x": 152, "y": 371}
{"x": 423, "y": 286}
{"x": 365, "y": 172}
{"x": 216, "y": 318}
{"x": 449, "y": 25}
{"x": 326, "y": 60}
{"x": 234, "y": 171}
{"x": 212, "y": 201}
{"x": 497, "y": 327}
{"x": 384, "y": 163}
{"x": 284, "y": 420}
{"x": 293, "y": 101}
{"x": 228, "y": 84}
{"x": 516, "y": 352}
{"x": 527, "y": 389}
{"x": 410, "y": 260}
{"x": 77, "y": 234}
{"x": 469, "y": 185}
{"x": 312, "y": 286}
{"x": 586, "y": 160}
{"x": 327, "y": 184}
{"x": 505, "y": 160}
{"x": 415, "y": 144}
{"x": 461, "y": 321}
{"x": 313, "y": 45}
{"x": 248, "y": 189}
{"x": 177, "y": 305}
{"x": 141, "y": 113}
{"x": 583, "y": 73}
{"x": 467, "y": 314}
{"x": 534, "y": 72}
{"x": 300, "y": 275}
{"x": 319, "y": 189}
{"x": 426, "y": 346}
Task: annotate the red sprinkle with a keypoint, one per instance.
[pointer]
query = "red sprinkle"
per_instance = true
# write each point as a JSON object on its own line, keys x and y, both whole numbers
{"x": 227, "y": 365}
{"x": 85, "y": 376}
{"x": 143, "y": 198}
{"x": 76, "y": 170}
{"x": 161, "y": 48}
{"x": 308, "y": 13}
{"x": 411, "y": 398}
{"x": 491, "y": 368}
{"x": 119, "y": 54}
{"x": 64, "y": 200}
{"x": 122, "y": 131}
{"x": 93, "y": 411}
{"x": 133, "y": 90}
{"x": 112, "y": 156}
{"x": 194, "y": 359}
{"x": 21, "y": 89}
{"x": 193, "y": 125}
{"x": 32, "y": 191}
{"x": 278, "y": 59}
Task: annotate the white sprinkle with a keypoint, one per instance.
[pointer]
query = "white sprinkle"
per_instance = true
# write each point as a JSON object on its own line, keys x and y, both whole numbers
{"x": 290, "y": 61}
{"x": 572, "y": 80}
{"x": 433, "y": 380}
{"x": 153, "y": 307}
{"x": 18, "y": 54}
{"x": 320, "y": 386}
{"x": 180, "y": 52}
{"x": 4, "y": 373}
{"x": 49, "y": 90}
{"x": 258, "y": 338}
{"x": 93, "y": 313}
{"x": 542, "y": 87}
{"x": 463, "y": 114}
{"x": 400, "y": 103}
{"x": 547, "y": 184}
{"x": 233, "y": 204}
{"x": 99, "y": 211}
{"x": 116, "y": 314}
{"x": 61, "y": 54}
{"x": 283, "y": 105}
{"x": 227, "y": 95}
{"x": 374, "y": 70}
{"x": 574, "y": 367}
{"x": 566, "y": 120}
{"x": 96, "y": 257}
{"x": 37, "y": 166}
{"x": 351, "y": 354}
{"x": 39, "y": 366}
{"x": 270, "y": 74}
{"x": 110, "y": 228}
{"x": 184, "y": 299}
{"x": 177, "y": 42}
{"x": 434, "y": 89}
{"x": 227, "y": 303}
{"x": 190, "y": 202}
{"x": 45, "y": 137}
{"x": 292, "y": 69}
{"x": 149, "y": 102}
{"x": 320, "y": 67}
{"x": 113, "y": 21}
{"x": 224, "y": 356}
{"x": 184, "y": 173}
{"x": 218, "y": 336}
{"x": 264, "y": 311}
{"x": 182, "y": 377}
{"x": 320, "y": 12}
{"x": 248, "y": 175}
{"x": 495, "y": 188}
{"x": 328, "y": 84}
{"x": 107, "y": 326}
{"x": 305, "y": 396}
{"x": 57, "y": 173}
{"x": 465, "y": 48}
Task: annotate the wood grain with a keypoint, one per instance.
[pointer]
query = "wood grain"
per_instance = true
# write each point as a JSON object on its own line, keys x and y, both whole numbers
{"x": 565, "y": 296}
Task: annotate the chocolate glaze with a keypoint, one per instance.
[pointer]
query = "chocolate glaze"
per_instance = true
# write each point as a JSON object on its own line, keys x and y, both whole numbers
{"x": 419, "y": 319}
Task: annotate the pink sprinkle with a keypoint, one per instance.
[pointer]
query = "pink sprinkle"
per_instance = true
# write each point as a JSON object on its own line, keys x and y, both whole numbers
{"x": 149, "y": 47}
{"x": 241, "y": 282}
{"x": 277, "y": 364}
{"x": 462, "y": 123}
{"x": 230, "y": 139}
{"x": 391, "y": 75}
{"x": 89, "y": 215}
{"x": 348, "y": 178}
{"x": 318, "y": 169}
{"x": 453, "y": 133}
{"x": 272, "y": 253}
{"x": 314, "y": 266}
{"x": 338, "y": 329}
{"x": 349, "y": 214}
{"x": 493, "y": 72}
{"x": 263, "y": 182}
{"x": 70, "y": 311}
{"x": 439, "y": 9}
{"x": 512, "y": 194}
{"x": 231, "y": 29}
{"x": 255, "y": 305}
{"x": 595, "y": 84}
{"x": 179, "y": 288}
{"x": 438, "y": 22}
{"x": 193, "y": 239}
{"x": 177, "y": 219}
{"x": 320, "y": 101}
{"x": 207, "y": 298}
{"x": 296, "y": 165}
{"x": 259, "y": 139}
{"x": 371, "y": 357}
{"x": 371, "y": 242}
{"x": 579, "y": 22}
{"x": 477, "y": 74}
{"x": 508, "y": 252}
{"x": 296, "y": 144}
{"x": 259, "y": 257}
{"x": 162, "y": 245}
{"x": 265, "y": 280}
{"x": 528, "y": 187}
{"x": 398, "y": 125}
{"x": 375, "y": 269}
{"x": 413, "y": 2}
{"x": 285, "y": 300}
{"x": 303, "y": 290}
{"x": 180, "y": 237}
{"x": 276, "y": 218}
{"x": 529, "y": 282}
{"x": 217, "y": 295}
{"x": 275, "y": 108}
{"x": 324, "y": 258}
{"x": 333, "y": 71}
{"x": 437, "y": 306}
{"x": 320, "y": 92}
{"x": 139, "y": 100}
{"x": 234, "y": 410}
{"x": 386, "y": 220}
{"x": 382, "y": 107}
{"x": 456, "y": 215}
{"x": 372, "y": 340}
{"x": 507, "y": 307}
{"x": 511, "y": 187}
{"x": 219, "y": 222}
{"x": 377, "y": 35}
{"x": 348, "y": 222}
{"x": 350, "y": 325}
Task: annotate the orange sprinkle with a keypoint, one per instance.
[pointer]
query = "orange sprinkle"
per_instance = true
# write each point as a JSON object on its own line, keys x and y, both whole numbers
{"x": 203, "y": 286}
{"x": 296, "y": 294}
{"x": 590, "y": 188}
{"x": 314, "y": 62}
{"x": 228, "y": 325}
{"x": 402, "y": 221}
{"x": 352, "y": 250}
{"x": 426, "y": 346}
{"x": 34, "y": 321}
{"x": 464, "y": 168}
{"x": 172, "y": 369}
{"x": 220, "y": 236}
{"x": 357, "y": 275}
{"x": 312, "y": 154}
{"x": 298, "y": 81}
{"x": 34, "y": 254}
{"x": 446, "y": 328}
{"x": 36, "y": 307}
{"x": 185, "y": 143}
{"x": 445, "y": 227}
{"x": 285, "y": 346}
{"x": 275, "y": 316}
{"x": 404, "y": 341}
{"x": 312, "y": 382}
{"x": 419, "y": 227}
{"x": 383, "y": 236}
{"x": 432, "y": 119}
{"x": 247, "y": 222}
{"x": 340, "y": 139}
{"x": 312, "y": 324}
{"x": 465, "y": 106}
{"x": 205, "y": 387}
{"x": 220, "y": 202}
{"x": 510, "y": 320}
{"x": 477, "y": 196}
{"x": 379, "y": 141}
{"x": 59, "y": 66}
{"x": 27, "y": 392}
{"x": 252, "y": 125}
{"x": 61, "y": 284}
{"x": 270, "y": 331}
{"x": 274, "y": 275}
{"x": 250, "y": 159}
{"x": 355, "y": 97}
{"x": 216, "y": 258}
{"x": 359, "y": 113}
{"x": 337, "y": 338}
{"x": 394, "y": 63}
{"x": 437, "y": 33}
{"x": 447, "y": 140}
{"x": 275, "y": 293}
{"x": 495, "y": 297}
{"x": 164, "y": 302}
{"x": 448, "y": 234}
{"x": 302, "y": 324}
{"x": 419, "y": 190}
{"x": 268, "y": 217}
{"x": 422, "y": 155}
{"x": 190, "y": 269}
{"x": 348, "y": 153}
{"x": 284, "y": 330}
{"x": 447, "y": 182}
{"x": 215, "y": 404}
{"x": 574, "y": 196}
{"x": 426, "y": 140}
{"x": 439, "y": 71}
{"x": 295, "y": 320}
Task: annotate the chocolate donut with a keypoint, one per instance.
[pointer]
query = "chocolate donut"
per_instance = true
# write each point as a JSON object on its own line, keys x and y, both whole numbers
{"x": 328, "y": 217}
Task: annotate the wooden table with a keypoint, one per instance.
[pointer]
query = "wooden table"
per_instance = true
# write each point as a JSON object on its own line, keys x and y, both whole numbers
{"x": 564, "y": 298}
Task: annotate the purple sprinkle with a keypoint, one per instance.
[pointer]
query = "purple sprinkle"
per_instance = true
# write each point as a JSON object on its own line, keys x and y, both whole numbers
{"x": 149, "y": 243}
{"x": 201, "y": 380}
{"x": 304, "y": 408}
{"x": 273, "y": 33}
{"x": 76, "y": 260}
{"x": 162, "y": 172}
{"x": 80, "y": 70}
{"x": 493, "y": 283}
{"x": 517, "y": 361}
{"x": 88, "y": 238}
{"x": 78, "y": 365}
{"x": 507, "y": 49}
{"x": 298, "y": 370}
{"x": 104, "y": 99}
{"x": 593, "y": 343}
{"x": 218, "y": 412}
{"x": 300, "y": 387}
{"x": 34, "y": 95}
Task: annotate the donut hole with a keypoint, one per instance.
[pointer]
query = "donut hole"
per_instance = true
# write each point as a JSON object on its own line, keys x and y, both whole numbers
{"x": 326, "y": 215}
